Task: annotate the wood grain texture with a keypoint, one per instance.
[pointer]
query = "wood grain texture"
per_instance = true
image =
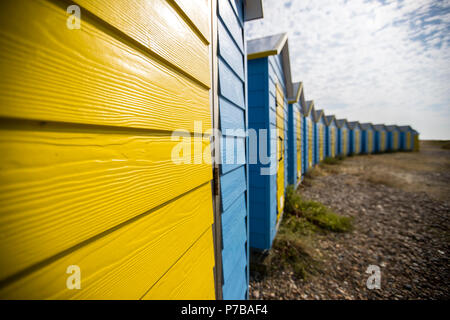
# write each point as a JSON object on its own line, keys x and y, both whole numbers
{"x": 199, "y": 12}
{"x": 127, "y": 262}
{"x": 61, "y": 186}
{"x": 159, "y": 27}
{"x": 88, "y": 76}
{"x": 191, "y": 277}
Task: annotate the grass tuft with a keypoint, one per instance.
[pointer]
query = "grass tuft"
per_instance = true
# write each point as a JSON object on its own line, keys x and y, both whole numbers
{"x": 315, "y": 213}
{"x": 331, "y": 161}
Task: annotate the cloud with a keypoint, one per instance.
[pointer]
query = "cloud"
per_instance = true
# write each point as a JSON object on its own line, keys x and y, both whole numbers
{"x": 372, "y": 61}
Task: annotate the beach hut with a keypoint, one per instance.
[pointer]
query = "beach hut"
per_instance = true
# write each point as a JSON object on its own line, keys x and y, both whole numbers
{"x": 232, "y": 248}
{"x": 318, "y": 136}
{"x": 308, "y": 135}
{"x": 331, "y": 144}
{"x": 367, "y": 138}
{"x": 355, "y": 137}
{"x": 380, "y": 138}
{"x": 295, "y": 135}
{"x": 343, "y": 137}
{"x": 393, "y": 137}
{"x": 405, "y": 138}
{"x": 270, "y": 86}
{"x": 415, "y": 139}
{"x": 111, "y": 148}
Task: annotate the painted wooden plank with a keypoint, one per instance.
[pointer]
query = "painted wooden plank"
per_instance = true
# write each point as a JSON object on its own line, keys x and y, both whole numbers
{"x": 231, "y": 116}
{"x": 128, "y": 261}
{"x": 235, "y": 214}
{"x": 159, "y": 27}
{"x": 192, "y": 277}
{"x": 234, "y": 253}
{"x": 230, "y": 86}
{"x": 87, "y": 76}
{"x": 231, "y": 22}
{"x": 238, "y": 8}
{"x": 236, "y": 228}
{"x": 230, "y": 52}
{"x": 233, "y": 184}
{"x": 62, "y": 185}
{"x": 232, "y": 154}
{"x": 235, "y": 286}
{"x": 199, "y": 13}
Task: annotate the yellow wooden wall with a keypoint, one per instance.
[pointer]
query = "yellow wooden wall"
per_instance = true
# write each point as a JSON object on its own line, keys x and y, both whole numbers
{"x": 321, "y": 142}
{"x": 281, "y": 151}
{"x": 86, "y": 172}
{"x": 333, "y": 142}
{"x": 310, "y": 142}
{"x": 299, "y": 146}
{"x": 369, "y": 141}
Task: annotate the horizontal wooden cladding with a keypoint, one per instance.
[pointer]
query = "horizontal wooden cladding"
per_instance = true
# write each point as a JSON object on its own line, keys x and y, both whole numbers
{"x": 62, "y": 185}
{"x": 159, "y": 27}
{"x": 228, "y": 15}
{"x": 88, "y": 76}
{"x": 141, "y": 258}
{"x": 198, "y": 12}
{"x": 191, "y": 277}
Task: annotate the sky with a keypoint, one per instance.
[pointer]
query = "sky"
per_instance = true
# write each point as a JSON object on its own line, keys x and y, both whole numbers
{"x": 379, "y": 61}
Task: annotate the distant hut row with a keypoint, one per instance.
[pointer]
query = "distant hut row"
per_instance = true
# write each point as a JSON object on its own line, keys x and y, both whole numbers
{"x": 305, "y": 135}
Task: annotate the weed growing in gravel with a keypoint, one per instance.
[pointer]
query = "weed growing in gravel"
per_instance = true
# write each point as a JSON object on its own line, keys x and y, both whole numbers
{"x": 315, "y": 213}
{"x": 331, "y": 161}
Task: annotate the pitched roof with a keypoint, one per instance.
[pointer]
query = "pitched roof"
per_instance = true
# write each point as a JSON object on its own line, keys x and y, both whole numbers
{"x": 318, "y": 114}
{"x": 308, "y": 107}
{"x": 391, "y": 128}
{"x": 366, "y": 126}
{"x": 341, "y": 122}
{"x": 297, "y": 88}
{"x": 379, "y": 127}
{"x": 329, "y": 119}
{"x": 405, "y": 128}
{"x": 270, "y": 46}
{"x": 353, "y": 124}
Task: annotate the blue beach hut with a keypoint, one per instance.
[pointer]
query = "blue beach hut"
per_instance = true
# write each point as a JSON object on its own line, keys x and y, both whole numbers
{"x": 380, "y": 138}
{"x": 367, "y": 138}
{"x": 319, "y": 136}
{"x": 233, "y": 117}
{"x": 355, "y": 137}
{"x": 405, "y": 138}
{"x": 343, "y": 137}
{"x": 393, "y": 137}
{"x": 331, "y": 144}
{"x": 308, "y": 135}
{"x": 295, "y": 134}
{"x": 270, "y": 85}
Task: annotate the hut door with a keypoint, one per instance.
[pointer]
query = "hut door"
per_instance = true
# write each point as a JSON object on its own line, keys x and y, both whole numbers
{"x": 299, "y": 146}
{"x": 310, "y": 143}
{"x": 356, "y": 149}
{"x": 333, "y": 142}
{"x": 280, "y": 150}
{"x": 321, "y": 144}
{"x": 344, "y": 142}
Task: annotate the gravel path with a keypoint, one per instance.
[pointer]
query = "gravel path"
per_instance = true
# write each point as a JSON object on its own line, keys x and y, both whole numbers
{"x": 405, "y": 233}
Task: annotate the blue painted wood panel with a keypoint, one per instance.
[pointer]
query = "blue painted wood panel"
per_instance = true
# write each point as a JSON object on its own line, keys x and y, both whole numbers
{"x": 264, "y": 74}
{"x": 234, "y": 168}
